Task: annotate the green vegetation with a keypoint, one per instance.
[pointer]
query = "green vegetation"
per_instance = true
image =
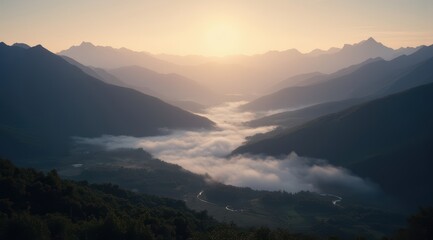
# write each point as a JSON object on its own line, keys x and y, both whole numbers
{"x": 34, "y": 205}
{"x": 420, "y": 226}
{"x": 303, "y": 212}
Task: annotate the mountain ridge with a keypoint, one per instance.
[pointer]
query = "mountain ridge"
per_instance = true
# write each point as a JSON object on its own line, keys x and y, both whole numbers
{"x": 392, "y": 131}
{"x": 367, "y": 79}
{"x": 240, "y": 73}
{"x": 44, "y": 96}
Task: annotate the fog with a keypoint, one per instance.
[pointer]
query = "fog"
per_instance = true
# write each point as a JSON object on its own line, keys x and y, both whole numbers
{"x": 205, "y": 152}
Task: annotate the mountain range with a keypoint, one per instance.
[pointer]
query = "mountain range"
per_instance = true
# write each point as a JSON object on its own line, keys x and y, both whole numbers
{"x": 170, "y": 87}
{"x": 388, "y": 140}
{"x": 240, "y": 74}
{"x": 367, "y": 79}
{"x": 44, "y": 101}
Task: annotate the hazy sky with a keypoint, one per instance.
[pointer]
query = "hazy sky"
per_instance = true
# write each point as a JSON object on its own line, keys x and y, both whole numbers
{"x": 215, "y": 27}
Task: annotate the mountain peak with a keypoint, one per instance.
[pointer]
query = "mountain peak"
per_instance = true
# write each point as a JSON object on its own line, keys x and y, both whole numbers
{"x": 372, "y": 42}
{"x": 39, "y": 46}
{"x": 86, "y": 44}
{"x": 371, "y": 39}
{"x": 21, "y": 45}
{"x": 368, "y": 43}
{"x": 39, "y": 49}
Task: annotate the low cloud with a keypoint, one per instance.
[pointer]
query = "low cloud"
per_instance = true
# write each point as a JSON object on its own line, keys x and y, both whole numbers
{"x": 204, "y": 153}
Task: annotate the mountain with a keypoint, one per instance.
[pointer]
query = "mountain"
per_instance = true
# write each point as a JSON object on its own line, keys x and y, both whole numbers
{"x": 316, "y": 77}
{"x": 422, "y": 74}
{"x": 189, "y": 106}
{"x": 297, "y": 80}
{"x": 317, "y": 52}
{"x": 107, "y": 77}
{"x": 388, "y": 140}
{"x": 367, "y": 49}
{"x": 35, "y": 205}
{"x": 256, "y": 73}
{"x": 107, "y": 57}
{"x": 44, "y": 101}
{"x": 21, "y": 45}
{"x": 368, "y": 79}
{"x": 238, "y": 74}
{"x": 171, "y": 87}
{"x": 186, "y": 60}
{"x": 97, "y": 73}
{"x": 293, "y": 118}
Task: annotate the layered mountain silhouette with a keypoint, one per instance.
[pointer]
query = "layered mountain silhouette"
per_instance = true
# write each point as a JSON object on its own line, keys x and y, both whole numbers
{"x": 107, "y": 57}
{"x": 44, "y": 101}
{"x": 97, "y": 73}
{"x": 293, "y": 118}
{"x": 172, "y": 87}
{"x": 369, "y": 79}
{"x": 421, "y": 74}
{"x": 107, "y": 77}
{"x": 238, "y": 74}
{"x": 317, "y": 77}
{"x": 388, "y": 140}
{"x": 21, "y": 45}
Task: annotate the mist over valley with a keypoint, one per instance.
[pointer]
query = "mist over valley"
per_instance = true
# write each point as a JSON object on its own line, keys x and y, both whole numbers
{"x": 216, "y": 120}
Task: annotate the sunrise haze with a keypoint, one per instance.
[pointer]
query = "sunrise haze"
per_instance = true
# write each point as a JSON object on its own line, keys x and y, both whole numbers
{"x": 216, "y": 28}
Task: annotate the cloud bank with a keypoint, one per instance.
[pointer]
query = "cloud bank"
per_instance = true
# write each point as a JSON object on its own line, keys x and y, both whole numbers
{"x": 204, "y": 152}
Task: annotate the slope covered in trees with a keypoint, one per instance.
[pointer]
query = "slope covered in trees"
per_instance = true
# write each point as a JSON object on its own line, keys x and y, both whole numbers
{"x": 34, "y": 205}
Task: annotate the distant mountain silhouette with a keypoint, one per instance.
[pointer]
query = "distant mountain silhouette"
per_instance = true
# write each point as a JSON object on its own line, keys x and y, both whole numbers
{"x": 367, "y": 79}
{"x": 240, "y": 74}
{"x": 21, "y": 45}
{"x": 294, "y": 118}
{"x": 316, "y": 77}
{"x": 388, "y": 140}
{"x": 44, "y": 101}
{"x": 107, "y": 77}
{"x": 107, "y": 57}
{"x": 97, "y": 73}
{"x": 317, "y": 52}
{"x": 256, "y": 73}
{"x": 187, "y": 60}
{"x": 172, "y": 87}
{"x": 420, "y": 75}
{"x": 189, "y": 106}
{"x": 298, "y": 80}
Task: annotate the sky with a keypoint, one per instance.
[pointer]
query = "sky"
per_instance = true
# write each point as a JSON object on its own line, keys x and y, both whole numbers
{"x": 216, "y": 28}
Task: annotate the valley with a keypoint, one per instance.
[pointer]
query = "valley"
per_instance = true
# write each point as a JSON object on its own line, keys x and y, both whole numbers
{"x": 216, "y": 120}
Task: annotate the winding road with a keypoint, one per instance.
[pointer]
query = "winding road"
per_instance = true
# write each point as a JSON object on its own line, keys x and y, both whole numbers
{"x": 336, "y": 201}
{"x": 228, "y": 208}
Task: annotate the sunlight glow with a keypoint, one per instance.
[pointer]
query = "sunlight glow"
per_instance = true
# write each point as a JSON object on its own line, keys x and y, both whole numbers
{"x": 222, "y": 39}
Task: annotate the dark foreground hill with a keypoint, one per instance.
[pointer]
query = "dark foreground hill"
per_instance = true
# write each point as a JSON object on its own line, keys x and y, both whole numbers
{"x": 300, "y": 212}
{"x": 389, "y": 141}
{"x": 44, "y": 101}
{"x": 34, "y": 205}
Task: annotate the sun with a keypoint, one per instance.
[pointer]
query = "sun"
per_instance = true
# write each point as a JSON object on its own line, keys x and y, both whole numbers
{"x": 222, "y": 39}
